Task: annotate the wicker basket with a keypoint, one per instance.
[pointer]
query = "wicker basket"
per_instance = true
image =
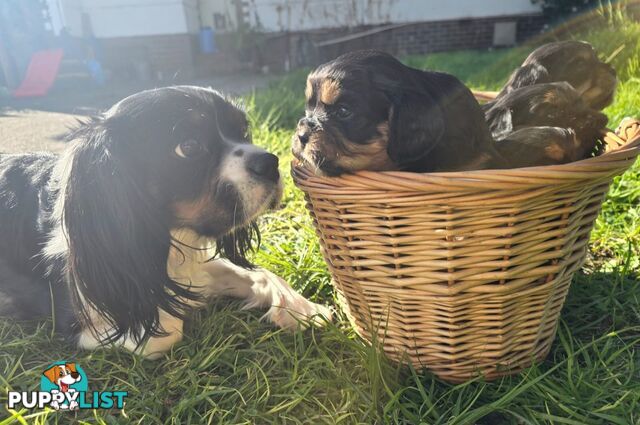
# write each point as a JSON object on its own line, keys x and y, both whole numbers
{"x": 464, "y": 273}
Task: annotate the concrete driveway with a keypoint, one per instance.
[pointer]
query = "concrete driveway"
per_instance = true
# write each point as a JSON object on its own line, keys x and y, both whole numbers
{"x": 29, "y": 130}
{"x": 39, "y": 124}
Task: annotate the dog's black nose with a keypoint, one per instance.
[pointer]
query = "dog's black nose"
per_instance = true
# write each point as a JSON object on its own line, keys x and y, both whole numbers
{"x": 265, "y": 166}
{"x": 303, "y": 136}
{"x": 305, "y": 127}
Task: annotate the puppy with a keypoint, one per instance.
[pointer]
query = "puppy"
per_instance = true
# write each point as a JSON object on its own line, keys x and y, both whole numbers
{"x": 553, "y": 104}
{"x": 367, "y": 111}
{"x": 536, "y": 146}
{"x": 575, "y": 62}
{"x": 115, "y": 236}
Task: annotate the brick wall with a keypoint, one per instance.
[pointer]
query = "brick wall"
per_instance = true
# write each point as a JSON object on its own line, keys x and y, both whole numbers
{"x": 176, "y": 57}
{"x": 164, "y": 57}
{"x": 414, "y": 38}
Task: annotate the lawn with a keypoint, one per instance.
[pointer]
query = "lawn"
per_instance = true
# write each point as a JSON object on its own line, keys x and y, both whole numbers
{"x": 230, "y": 368}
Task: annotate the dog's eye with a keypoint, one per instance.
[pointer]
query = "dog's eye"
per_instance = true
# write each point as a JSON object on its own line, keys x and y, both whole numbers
{"x": 343, "y": 112}
{"x": 189, "y": 149}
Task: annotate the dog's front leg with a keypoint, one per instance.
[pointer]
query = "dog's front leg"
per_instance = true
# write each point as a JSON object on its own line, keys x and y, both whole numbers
{"x": 156, "y": 346}
{"x": 153, "y": 348}
{"x": 261, "y": 288}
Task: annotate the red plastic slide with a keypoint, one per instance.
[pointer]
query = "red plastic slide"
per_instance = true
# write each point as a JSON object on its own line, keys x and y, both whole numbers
{"x": 41, "y": 73}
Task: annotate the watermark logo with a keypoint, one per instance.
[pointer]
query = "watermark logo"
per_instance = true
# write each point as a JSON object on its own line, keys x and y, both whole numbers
{"x": 64, "y": 386}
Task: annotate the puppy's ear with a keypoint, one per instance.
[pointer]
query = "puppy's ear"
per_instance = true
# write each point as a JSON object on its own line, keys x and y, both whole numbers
{"x": 499, "y": 120}
{"x": 235, "y": 245}
{"x": 527, "y": 75}
{"x": 416, "y": 126}
{"x": 51, "y": 374}
{"x": 118, "y": 240}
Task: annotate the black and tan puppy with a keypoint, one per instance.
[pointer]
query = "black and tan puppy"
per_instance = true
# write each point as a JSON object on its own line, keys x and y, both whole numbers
{"x": 367, "y": 111}
{"x": 553, "y": 104}
{"x": 575, "y": 62}
{"x": 536, "y": 146}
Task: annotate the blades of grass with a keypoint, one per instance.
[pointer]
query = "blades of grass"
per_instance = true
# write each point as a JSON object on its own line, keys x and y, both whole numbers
{"x": 560, "y": 420}
{"x": 614, "y": 54}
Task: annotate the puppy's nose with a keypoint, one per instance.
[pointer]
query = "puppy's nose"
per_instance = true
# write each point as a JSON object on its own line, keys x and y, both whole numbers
{"x": 303, "y": 136}
{"x": 264, "y": 166}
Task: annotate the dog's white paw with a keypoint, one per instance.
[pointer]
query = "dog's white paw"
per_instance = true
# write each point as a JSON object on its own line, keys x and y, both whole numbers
{"x": 292, "y": 312}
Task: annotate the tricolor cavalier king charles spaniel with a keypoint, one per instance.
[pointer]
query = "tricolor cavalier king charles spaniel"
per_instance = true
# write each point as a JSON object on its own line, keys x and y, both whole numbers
{"x": 116, "y": 237}
{"x": 365, "y": 110}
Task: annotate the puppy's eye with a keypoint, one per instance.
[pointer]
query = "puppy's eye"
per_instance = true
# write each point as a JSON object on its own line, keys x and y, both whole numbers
{"x": 343, "y": 112}
{"x": 189, "y": 148}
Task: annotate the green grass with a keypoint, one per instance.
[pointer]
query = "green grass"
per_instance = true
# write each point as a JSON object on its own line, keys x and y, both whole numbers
{"x": 230, "y": 368}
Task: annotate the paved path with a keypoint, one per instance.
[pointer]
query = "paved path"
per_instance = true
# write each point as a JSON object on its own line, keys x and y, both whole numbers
{"x": 28, "y": 130}
{"x": 39, "y": 124}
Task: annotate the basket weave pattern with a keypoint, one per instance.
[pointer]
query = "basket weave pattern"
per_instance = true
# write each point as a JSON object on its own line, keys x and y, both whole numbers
{"x": 465, "y": 273}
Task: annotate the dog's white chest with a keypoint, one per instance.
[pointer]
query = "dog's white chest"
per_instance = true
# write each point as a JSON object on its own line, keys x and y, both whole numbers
{"x": 186, "y": 265}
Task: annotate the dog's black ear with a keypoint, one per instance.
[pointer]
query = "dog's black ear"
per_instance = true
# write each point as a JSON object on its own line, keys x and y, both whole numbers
{"x": 416, "y": 126}
{"x": 499, "y": 120}
{"x": 526, "y": 75}
{"x": 118, "y": 240}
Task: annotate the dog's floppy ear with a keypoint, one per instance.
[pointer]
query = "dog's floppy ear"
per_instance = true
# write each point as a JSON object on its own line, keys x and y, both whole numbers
{"x": 527, "y": 75}
{"x": 118, "y": 239}
{"x": 71, "y": 367}
{"x": 499, "y": 120}
{"x": 52, "y": 373}
{"x": 416, "y": 126}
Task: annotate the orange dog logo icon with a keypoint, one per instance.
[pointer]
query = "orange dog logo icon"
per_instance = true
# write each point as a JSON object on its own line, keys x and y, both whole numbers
{"x": 63, "y": 375}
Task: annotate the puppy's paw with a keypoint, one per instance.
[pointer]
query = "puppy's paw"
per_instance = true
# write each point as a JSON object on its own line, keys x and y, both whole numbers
{"x": 292, "y": 312}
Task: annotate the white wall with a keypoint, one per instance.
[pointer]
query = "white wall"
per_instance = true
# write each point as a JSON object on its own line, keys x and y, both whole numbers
{"x": 192, "y": 15}
{"x": 280, "y": 15}
{"x": 56, "y": 14}
{"x": 128, "y": 18}
{"x": 224, "y": 7}
{"x": 72, "y": 16}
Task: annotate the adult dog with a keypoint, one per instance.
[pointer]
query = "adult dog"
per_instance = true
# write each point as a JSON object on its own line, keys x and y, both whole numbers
{"x": 114, "y": 237}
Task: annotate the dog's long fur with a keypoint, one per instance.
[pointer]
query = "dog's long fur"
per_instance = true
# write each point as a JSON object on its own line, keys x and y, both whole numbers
{"x": 552, "y": 104}
{"x": 365, "y": 110}
{"x": 536, "y": 146}
{"x": 575, "y": 62}
{"x": 88, "y": 235}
